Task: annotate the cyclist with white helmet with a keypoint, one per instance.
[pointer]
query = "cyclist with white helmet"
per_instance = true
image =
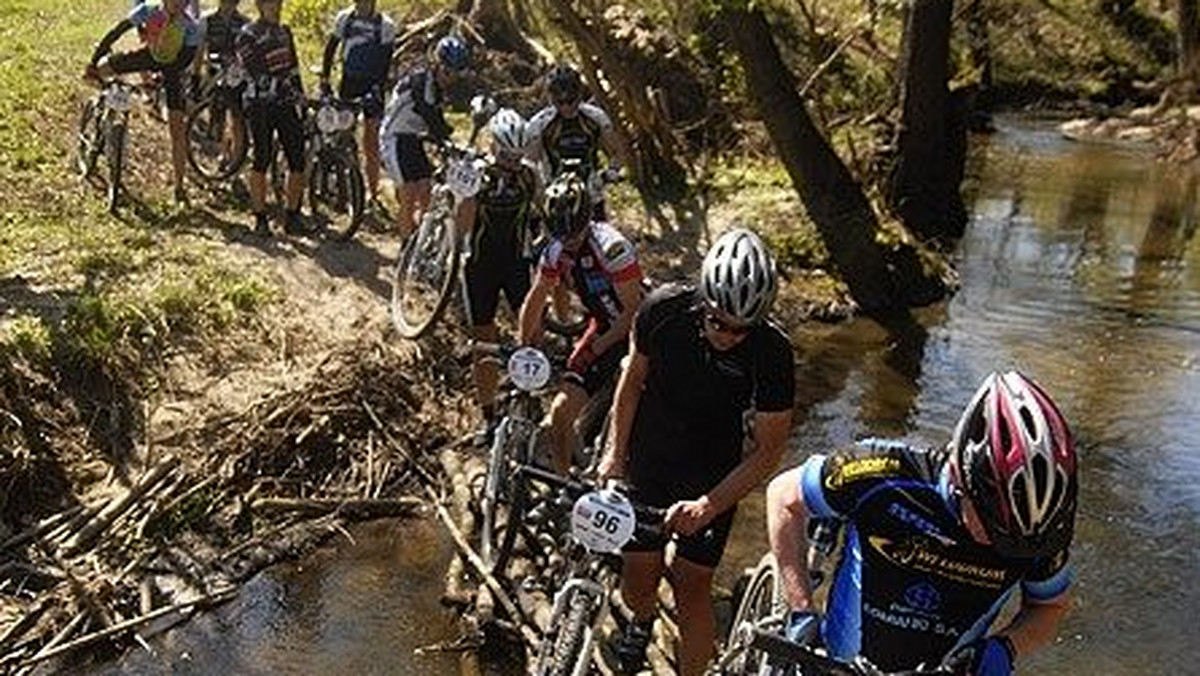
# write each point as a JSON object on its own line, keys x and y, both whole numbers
{"x": 700, "y": 416}
{"x": 414, "y": 113}
{"x": 593, "y": 260}
{"x": 499, "y": 222}
{"x": 937, "y": 541}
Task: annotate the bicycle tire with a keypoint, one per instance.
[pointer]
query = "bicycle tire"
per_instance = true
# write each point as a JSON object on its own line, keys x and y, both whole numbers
{"x": 336, "y": 194}
{"x": 202, "y": 139}
{"x": 762, "y": 598}
{"x": 566, "y": 649}
{"x": 115, "y": 149}
{"x": 87, "y": 145}
{"x": 491, "y": 497}
{"x": 418, "y": 303}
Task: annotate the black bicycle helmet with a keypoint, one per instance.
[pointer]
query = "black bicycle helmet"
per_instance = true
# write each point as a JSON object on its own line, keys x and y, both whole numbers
{"x": 564, "y": 84}
{"x": 567, "y": 209}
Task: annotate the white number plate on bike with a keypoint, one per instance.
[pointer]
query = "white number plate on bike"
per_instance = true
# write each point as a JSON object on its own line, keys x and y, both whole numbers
{"x": 118, "y": 99}
{"x": 603, "y": 521}
{"x": 529, "y": 369}
{"x": 464, "y": 178}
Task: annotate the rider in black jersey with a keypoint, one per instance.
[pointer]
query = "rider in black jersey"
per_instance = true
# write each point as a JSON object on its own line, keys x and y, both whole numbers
{"x": 937, "y": 541}
{"x": 498, "y": 221}
{"x": 367, "y": 37}
{"x": 700, "y": 417}
{"x": 218, "y": 36}
{"x": 272, "y": 98}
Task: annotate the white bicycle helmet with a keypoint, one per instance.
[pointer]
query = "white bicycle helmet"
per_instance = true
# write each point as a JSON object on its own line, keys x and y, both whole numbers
{"x": 508, "y": 130}
{"x": 738, "y": 277}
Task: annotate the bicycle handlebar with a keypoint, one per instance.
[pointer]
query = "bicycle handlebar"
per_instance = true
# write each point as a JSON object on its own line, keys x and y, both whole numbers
{"x": 649, "y": 519}
{"x": 781, "y": 649}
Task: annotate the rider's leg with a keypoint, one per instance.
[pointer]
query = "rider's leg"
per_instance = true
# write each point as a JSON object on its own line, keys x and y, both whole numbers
{"x": 640, "y": 574}
{"x": 484, "y": 372}
{"x": 692, "y": 585}
{"x": 567, "y": 404}
{"x": 177, "y": 127}
{"x": 413, "y": 197}
{"x": 371, "y": 155}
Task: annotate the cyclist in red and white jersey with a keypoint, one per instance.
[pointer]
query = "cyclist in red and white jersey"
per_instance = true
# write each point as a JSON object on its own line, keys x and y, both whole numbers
{"x": 598, "y": 264}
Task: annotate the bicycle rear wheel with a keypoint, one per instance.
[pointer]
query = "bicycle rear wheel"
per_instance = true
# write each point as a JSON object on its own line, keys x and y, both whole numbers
{"x": 336, "y": 194}
{"x": 88, "y": 144}
{"x": 762, "y": 599}
{"x": 217, "y": 140}
{"x": 115, "y": 149}
{"x": 424, "y": 274}
{"x": 494, "y": 492}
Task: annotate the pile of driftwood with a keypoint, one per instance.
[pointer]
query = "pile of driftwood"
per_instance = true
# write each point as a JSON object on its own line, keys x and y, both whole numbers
{"x": 217, "y": 504}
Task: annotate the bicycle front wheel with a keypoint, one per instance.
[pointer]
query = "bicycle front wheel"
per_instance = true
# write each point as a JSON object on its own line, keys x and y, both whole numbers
{"x": 567, "y": 648}
{"x": 88, "y": 144}
{"x": 115, "y": 143}
{"x": 424, "y": 275}
{"x": 336, "y": 194}
{"x": 217, "y": 140}
{"x": 762, "y": 600}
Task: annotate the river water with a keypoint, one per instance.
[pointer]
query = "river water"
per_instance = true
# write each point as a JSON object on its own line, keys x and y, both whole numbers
{"x": 1080, "y": 267}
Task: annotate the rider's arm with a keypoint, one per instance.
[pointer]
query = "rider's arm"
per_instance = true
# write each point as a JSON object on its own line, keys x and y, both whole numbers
{"x": 770, "y": 439}
{"x": 327, "y": 58}
{"x": 787, "y": 522}
{"x": 106, "y": 42}
{"x": 614, "y": 147}
{"x": 625, "y": 403}
{"x": 629, "y": 293}
{"x": 529, "y": 319}
{"x": 1036, "y": 623}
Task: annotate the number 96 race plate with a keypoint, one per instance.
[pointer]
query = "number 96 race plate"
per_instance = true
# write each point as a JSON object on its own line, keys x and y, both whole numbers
{"x": 603, "y": 521}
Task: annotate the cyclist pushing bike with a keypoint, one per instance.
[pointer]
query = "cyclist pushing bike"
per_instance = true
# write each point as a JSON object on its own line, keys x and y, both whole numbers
{"x": 367, "y": 37}
{"x": 170, "y": 36}
{"x": 498, "y": 221}
{"x": 596, "y": 262}
{"x": 936, "y": 541}
{"x": 704, "y": 362}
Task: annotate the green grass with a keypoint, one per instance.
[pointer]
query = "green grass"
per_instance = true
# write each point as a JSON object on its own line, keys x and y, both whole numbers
{"x": 115, "y": 288}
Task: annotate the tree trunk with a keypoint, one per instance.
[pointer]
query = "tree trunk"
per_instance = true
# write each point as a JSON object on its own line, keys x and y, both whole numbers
{"x": 1189, "y": 45}
{"x": 836, "y": 203}
{"x": 924, "y": 191}
{"x": 494, "y": 21}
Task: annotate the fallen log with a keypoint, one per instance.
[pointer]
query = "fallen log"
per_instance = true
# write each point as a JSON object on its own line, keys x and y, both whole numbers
{"x": 42, "y": 528}
{"x": 116, "y": 508}
{"x": 120, "y": 627}
{"x": 356, "y": 508}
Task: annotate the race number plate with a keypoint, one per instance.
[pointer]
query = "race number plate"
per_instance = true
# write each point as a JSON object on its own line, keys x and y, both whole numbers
{"x": 529, "y": 369}
{"x": 464, "y": 178}
{"x": 118, "y": 99}
{"x": 603, "y": 521}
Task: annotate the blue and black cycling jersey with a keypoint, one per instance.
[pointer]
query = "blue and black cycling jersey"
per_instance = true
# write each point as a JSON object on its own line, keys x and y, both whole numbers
{"x": 911, "y": 584}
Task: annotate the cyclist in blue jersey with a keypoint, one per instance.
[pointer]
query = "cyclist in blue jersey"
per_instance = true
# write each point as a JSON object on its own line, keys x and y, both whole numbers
{"x": 412, "y": 115}
{"x": 937, "y": 541}
{"x": 367, "y": 37}
{"x": 169, "y": 36}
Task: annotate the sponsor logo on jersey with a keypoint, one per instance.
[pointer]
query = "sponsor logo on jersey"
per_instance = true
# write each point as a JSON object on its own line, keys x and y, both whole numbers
{"x": 924, "y": 555}
{"x": 861, "y": 468}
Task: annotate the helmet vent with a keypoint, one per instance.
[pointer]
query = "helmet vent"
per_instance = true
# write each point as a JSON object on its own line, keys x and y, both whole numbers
{"x": 1027, "y": 420}
{"x": 1020, "y": 502}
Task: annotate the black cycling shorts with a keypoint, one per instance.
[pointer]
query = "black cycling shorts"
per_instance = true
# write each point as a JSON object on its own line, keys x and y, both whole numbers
{"x": 404, "y": 158}
{"x": 704, "y": 548}
{"x": 140, "y": 61}
{"x": 368, "y": 92}
{"x": 483, "y": 281}
{"x": 265, "y": 121}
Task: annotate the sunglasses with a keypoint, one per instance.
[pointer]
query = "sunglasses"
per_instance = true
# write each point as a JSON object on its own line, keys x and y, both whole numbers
{"x": 722, "y": 326}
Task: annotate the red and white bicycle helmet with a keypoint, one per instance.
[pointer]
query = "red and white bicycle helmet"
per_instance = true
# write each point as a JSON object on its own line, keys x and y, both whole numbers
{"x": 1013, "y": 455}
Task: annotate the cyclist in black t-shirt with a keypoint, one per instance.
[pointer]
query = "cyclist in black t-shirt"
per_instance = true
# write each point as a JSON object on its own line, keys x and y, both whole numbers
{"x": 700, "y": 417}
{"x": 936, "y": 542}
{"x": 498, "y": 221}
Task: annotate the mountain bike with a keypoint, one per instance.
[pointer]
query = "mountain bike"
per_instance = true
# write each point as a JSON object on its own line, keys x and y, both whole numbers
{"x": 103, "y": 128}
{"x": 336, "y": 191}
{"x": 428, "y": 264}
{"x": 217, "y": 138}
{"x": 602, "y": 521}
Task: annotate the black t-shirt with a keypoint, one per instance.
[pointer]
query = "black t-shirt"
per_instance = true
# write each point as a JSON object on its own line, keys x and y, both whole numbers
{"x": 911, "y": 583}
{"x": 221, "y": 31}
{"x": 689, "y": 426}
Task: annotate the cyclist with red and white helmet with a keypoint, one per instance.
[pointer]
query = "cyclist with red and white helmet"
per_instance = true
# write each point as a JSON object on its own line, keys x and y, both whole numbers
{"x": 700, "y": 417}
{"x": 937, "y": 541}
{"x": 413, "y": 114}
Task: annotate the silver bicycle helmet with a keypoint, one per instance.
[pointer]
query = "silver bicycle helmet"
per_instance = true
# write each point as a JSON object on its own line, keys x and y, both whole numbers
{"x": 738, "y": 277}
{"x": 508, "y": 130}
